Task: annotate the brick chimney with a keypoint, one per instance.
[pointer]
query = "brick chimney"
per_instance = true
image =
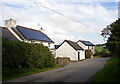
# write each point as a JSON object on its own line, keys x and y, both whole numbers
{"x": 10, "y": 23}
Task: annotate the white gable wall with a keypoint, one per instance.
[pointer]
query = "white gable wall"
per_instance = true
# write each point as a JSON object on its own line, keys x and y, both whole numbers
{"x": 82, "y": 54}
{"x": 65, "y": 50}
{"x": 86, "y": 47}
{"x": 82, "y": 45}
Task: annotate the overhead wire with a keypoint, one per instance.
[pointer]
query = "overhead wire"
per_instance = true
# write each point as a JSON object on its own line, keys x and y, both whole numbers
{"x": 54, "y": 12}
{"x": 65, "y": 15}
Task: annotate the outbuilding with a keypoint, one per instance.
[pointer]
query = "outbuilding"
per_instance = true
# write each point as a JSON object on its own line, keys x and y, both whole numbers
{"x": 70, "y": 50}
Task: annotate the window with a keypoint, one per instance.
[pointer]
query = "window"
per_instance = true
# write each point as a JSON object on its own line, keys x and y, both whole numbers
{"x": 48, "y": 44}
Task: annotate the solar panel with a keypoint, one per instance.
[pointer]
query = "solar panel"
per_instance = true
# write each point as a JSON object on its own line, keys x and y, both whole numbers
{"x": 88, "y": 43}
{"x": 34, "y": 35}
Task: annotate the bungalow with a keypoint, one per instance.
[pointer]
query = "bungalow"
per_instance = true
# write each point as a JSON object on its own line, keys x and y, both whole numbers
{"x": 70, "y": 49}
{"x": 20, "y": 33}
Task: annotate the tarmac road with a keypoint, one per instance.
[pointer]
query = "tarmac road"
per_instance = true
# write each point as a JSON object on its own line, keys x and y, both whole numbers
{"x": 80, "y": 71}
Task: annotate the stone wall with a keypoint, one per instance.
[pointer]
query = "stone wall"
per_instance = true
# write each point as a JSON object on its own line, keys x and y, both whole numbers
{"x": 62, "y": 61}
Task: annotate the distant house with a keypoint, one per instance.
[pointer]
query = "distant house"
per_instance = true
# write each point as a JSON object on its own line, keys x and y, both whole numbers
{"x": 71, "y": 50}
{"x": 20, "y": 33}
{"x": 86, "y": 45}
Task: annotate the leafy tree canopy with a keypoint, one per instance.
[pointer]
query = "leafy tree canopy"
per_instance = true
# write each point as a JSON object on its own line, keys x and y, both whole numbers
{"x": 112, "y": 32}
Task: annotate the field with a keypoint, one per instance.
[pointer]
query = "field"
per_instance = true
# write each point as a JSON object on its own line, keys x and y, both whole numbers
{"x": 101, "y": 51}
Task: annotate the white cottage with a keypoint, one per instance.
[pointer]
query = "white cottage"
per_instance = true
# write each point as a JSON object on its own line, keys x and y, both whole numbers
{"x": 70, "y": 49}
{"x": 86, "y": 45}
{"x": 20, "y": 33}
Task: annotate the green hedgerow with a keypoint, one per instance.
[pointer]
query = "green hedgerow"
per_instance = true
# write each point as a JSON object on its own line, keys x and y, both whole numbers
{"x": 18, "y": 54}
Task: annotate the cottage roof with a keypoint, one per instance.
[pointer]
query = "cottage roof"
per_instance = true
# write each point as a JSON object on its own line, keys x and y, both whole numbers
{"x": 87, "y": 43}
{"x": 56, "y": 46}
{"x": 31, "y": 34}
{"x": 7, "y": 34}
{"x": 73, "y": 44}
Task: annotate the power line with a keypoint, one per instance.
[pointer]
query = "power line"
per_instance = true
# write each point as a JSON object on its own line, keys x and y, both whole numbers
{"x": 65, "y": 16}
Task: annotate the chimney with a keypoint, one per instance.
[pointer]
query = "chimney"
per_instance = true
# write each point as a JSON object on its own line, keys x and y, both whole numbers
{"x": 10, "y": 23}
{"x": 42, "y": 30}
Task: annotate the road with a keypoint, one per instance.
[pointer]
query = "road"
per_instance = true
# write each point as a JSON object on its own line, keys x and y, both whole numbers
{"x": 80, "y": 71}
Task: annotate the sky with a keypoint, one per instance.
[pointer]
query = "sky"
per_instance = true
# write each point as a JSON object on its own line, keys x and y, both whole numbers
{"x": 77, "y": 19}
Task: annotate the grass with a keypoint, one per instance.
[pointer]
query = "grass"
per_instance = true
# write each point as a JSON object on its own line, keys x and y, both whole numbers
{"x": 101, "y": 51}
{"x": 25, "y": 72}
{"x": 110, "y": 73}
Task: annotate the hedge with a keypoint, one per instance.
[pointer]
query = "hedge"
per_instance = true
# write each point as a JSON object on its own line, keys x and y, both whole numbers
{"x": 18, "y": 54}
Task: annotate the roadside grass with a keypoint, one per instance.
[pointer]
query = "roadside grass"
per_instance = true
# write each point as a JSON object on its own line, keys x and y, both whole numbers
{"x": 110, "y": 73}
{"x": 13, "y": 73}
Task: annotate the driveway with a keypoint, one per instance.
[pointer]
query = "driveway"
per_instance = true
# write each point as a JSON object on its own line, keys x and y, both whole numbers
{"x": 80, "y": 71}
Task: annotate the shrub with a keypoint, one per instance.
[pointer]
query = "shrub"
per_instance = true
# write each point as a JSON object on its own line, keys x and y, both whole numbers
{"x": 88, "y": 53}
{"x": 26, "y": 55}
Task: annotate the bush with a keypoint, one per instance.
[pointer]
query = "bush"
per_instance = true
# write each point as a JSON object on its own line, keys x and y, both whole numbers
{"x": 25, "y": 55}
{"x": 88, "y": 53}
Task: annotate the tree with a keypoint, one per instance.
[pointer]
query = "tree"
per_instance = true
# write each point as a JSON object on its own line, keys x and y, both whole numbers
{"x": 112, "y": 32}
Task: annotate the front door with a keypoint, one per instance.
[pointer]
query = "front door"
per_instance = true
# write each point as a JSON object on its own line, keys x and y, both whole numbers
{"x": 78, "y": 55}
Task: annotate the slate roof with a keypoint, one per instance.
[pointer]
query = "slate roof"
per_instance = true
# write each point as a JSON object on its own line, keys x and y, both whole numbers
{"x": 7, "y": 34}
{"x": 87, "y": 43}
{"x": 73, "y": 44}
{"x": 31, "y": 34}
{"x": 56, "y": 46}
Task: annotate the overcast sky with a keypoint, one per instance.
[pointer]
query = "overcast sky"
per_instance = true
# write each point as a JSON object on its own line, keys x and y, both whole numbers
{"x": 93, "y": 14}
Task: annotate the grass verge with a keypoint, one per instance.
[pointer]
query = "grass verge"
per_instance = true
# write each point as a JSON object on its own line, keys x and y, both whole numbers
{"x": 110, "y": 73}
{"x": 26, "y": 72}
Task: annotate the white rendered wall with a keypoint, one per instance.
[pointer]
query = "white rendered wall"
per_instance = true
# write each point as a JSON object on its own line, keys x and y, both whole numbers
{"x": 46, "y": 44}
{"x": 65, "y": 50}
{"x": 86, "y": 47}
{"x": 82, "y": 45}
{"x": 82, "y": 54}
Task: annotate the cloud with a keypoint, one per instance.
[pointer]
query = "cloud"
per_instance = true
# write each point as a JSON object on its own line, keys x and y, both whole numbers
{"x": 59, "y": 28}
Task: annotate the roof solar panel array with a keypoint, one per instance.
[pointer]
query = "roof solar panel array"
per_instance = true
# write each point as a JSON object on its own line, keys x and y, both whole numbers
{"x": 34, "y": 35}
{"x": 88, "y": 43}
